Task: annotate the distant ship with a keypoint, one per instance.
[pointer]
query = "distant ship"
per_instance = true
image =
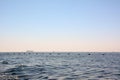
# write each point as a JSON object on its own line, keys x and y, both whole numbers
{"x": 29, "y": 51}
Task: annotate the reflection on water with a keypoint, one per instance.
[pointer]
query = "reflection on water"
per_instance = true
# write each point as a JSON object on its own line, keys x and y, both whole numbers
{"x": 61, "y": 66}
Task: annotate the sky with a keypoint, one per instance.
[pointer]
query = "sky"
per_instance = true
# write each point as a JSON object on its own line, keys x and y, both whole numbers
{"x": 60, "y": 25}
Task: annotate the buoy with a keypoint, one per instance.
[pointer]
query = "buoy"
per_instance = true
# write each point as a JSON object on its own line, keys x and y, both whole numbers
{"x": 89, "y": 54}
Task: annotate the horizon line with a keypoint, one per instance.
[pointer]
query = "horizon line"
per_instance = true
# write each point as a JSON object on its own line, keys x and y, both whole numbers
{"x": 61, "y": 51}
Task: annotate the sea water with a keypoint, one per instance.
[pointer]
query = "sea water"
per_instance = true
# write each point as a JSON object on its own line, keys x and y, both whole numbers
{"x": 61, "y": 65}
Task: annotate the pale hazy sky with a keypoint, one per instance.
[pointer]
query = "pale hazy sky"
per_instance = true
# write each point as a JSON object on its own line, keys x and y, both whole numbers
{"x": 60, "y": 25}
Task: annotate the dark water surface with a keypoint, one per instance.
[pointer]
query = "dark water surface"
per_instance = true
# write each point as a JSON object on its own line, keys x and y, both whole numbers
{"x": 61, "y": 66}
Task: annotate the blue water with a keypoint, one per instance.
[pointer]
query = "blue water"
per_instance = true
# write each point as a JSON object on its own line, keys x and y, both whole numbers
{"x": 61, "y": 66}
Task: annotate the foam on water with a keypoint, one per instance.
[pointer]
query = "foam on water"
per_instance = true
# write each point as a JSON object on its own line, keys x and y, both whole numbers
{"x": 61, "y": 66}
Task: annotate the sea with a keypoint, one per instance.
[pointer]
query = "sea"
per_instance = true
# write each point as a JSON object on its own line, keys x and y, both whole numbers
{"x": 61, "y": 65}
